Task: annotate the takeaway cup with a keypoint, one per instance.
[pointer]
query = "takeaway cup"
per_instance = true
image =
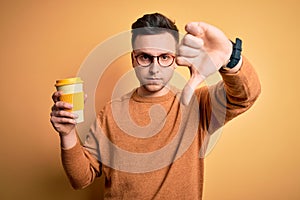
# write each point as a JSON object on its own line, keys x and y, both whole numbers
{"x": 72, "y": 89}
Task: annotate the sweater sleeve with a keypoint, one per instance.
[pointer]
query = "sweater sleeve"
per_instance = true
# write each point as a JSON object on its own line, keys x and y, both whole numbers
{"x": 80, "y": 166}
{"x": 232, "y": 96}
{"x": 242, "y": 89}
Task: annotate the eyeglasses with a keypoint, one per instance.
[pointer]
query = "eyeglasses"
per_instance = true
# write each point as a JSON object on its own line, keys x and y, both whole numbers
{"x": 164, "y": 60}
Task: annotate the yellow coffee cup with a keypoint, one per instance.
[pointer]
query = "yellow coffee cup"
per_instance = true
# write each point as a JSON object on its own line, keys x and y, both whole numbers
{"x": 72, "y": 89}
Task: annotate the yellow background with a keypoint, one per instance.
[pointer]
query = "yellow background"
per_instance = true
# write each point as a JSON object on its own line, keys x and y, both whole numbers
{"x": 41, "y": 41}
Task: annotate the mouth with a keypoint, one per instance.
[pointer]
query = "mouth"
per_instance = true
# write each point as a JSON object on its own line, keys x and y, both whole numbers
{"x": 154, "y": 78}
{"x": 154, "y": 81}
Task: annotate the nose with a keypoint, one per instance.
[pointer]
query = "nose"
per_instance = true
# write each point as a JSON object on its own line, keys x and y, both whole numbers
{"x": 154, "y": 67}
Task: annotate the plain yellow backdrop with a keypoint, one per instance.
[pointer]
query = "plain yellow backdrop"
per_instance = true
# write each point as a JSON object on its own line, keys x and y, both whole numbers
{"x": 257, "y": 156}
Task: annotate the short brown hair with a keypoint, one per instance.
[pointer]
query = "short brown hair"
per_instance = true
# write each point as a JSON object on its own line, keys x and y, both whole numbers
{"x": 151, "y": 24}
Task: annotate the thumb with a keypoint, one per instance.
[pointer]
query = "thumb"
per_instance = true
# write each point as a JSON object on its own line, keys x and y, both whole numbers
{"x": 196, "y": 28}
{"x": 186, "y": 95}
{"x": 189, "y": 88}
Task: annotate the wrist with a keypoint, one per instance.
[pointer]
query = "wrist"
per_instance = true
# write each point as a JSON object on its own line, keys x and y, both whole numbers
{"x": 233, "y": 70}
{"x": 67, "y": 141}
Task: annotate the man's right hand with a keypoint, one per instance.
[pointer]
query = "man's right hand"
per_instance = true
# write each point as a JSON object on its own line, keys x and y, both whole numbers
{"x": 63, "y": 121}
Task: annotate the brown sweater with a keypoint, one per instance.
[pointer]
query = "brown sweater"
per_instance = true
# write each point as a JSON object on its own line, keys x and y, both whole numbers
{"x": 153, "y": 148}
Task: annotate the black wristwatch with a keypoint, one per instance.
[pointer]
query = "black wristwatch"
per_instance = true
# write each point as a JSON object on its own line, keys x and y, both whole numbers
{"x": 236, "y": 54}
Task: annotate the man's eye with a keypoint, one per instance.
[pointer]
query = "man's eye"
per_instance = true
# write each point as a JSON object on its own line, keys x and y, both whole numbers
{"x": 145, "y": 57}
{"x": 165, "y": 57}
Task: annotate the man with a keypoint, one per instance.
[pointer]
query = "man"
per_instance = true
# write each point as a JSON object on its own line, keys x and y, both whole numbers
{"x": 149, "y": 144}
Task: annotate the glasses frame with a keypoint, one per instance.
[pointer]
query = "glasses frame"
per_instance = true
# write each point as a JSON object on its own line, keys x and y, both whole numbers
{"x": 157, "y": 58}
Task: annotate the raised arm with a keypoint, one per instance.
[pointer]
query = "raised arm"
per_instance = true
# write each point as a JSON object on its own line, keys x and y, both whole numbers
{"x": 80, "y": 166}
{"x": 205, "y": 49}
{"x": 235, "y": 94}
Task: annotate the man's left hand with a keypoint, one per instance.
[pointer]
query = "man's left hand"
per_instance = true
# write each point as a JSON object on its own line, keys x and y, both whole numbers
{"x": 204, "y": 49}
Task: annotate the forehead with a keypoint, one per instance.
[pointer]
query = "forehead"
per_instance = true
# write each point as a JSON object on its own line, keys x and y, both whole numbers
{"x": 163, "y": 42}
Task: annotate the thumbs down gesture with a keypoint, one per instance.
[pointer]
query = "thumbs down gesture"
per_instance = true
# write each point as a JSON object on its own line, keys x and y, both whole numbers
{"x": 204, "y": 50}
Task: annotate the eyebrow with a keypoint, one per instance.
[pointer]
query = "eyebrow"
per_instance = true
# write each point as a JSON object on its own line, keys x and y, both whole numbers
{"x": 141, "y": 52}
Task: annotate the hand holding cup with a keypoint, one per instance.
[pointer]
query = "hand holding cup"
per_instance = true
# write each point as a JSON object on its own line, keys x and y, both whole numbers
{"x": 68, "y": 106}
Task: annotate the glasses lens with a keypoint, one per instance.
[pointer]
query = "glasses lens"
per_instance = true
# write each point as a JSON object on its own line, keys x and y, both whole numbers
{"x": 144, "y": 59}
{"x": 165, "y": 60}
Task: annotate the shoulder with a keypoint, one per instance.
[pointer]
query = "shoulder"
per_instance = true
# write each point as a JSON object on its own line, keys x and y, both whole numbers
{"x": 117, "y": 102}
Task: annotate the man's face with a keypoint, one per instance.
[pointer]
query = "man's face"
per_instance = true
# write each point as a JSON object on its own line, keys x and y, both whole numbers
{"x": 154, "y": 77}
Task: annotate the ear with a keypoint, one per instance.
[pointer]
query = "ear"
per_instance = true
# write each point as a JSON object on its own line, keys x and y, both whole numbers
{"x": 131, "y": 57}
{"x": 132, "y": 60}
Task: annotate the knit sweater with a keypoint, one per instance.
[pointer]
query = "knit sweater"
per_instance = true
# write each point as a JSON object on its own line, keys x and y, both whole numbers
{"x": 154, "y": 147}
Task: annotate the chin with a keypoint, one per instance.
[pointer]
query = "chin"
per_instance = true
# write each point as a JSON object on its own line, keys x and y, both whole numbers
{"x": 153, "y": 88}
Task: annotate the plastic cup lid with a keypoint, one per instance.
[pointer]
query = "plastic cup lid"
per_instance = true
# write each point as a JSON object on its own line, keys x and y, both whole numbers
{"x": 68, "y": 81}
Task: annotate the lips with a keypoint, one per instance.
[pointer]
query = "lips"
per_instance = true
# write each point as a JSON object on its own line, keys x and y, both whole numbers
{"x": 153, "y": 80}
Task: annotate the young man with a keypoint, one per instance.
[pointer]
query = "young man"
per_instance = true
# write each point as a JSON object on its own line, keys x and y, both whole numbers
{"x": 149, "y": 144}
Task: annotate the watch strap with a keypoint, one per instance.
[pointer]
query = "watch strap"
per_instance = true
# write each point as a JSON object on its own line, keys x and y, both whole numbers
{"x": 236, "y": 53}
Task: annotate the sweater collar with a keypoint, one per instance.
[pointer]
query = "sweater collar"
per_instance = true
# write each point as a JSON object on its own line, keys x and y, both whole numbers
{"x": 171, "y": 94}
